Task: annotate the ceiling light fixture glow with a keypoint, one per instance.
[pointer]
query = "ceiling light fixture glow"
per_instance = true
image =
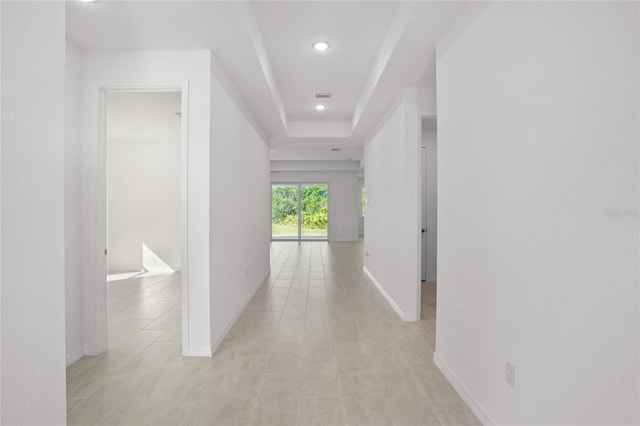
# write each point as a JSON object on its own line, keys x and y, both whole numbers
{"x": 321, "y": 46}
{"x": 321, "y": 107}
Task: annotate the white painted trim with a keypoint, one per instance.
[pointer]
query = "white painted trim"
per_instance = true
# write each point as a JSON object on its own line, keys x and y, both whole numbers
{"x": 201, "y": 351}
{"x": 94, "y": 268}
{"x": 160, "y": 269}
{"x": 95, "y": 208}
{"x": 75, "y": 356}
{"x": 413, "y": 128}
{"x": 404, "y": 316}
{"x": 230, "y": 324}
{"x": 184, "y": 210}
{"x": 462, "y": 390}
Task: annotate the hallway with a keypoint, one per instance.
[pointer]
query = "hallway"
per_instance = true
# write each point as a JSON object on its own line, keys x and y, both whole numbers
{"x": 318, "y": 344}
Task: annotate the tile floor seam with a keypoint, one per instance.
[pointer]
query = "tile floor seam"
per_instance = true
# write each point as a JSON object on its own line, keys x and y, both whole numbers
{"x": 426, "y": 396}
{"x": 331, "y": 281}
{"x": 344, "y": 409}
{"x": 435, "y": 412}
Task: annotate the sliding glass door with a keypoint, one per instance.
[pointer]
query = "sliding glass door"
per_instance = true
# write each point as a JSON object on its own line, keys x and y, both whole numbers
{"x": 284, "y": 212}
{"x": 314, "y": 211}
{"x": 299, "y": 211}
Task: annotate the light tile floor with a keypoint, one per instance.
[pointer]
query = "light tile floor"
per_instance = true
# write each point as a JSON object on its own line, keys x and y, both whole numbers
{"x": 317, "y": 345}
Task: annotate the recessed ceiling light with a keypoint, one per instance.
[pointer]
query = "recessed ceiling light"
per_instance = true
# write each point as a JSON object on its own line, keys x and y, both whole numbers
{"x": 321, "y": 107}
{"x": 321, "y": 46}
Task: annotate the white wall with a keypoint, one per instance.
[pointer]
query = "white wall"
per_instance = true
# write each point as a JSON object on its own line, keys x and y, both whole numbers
{"x": 150, "y": 68}
{"x": 240, "y": 206}
{"x": 73, "y": 204}
{"x": 143, "y": 178}
{"x": 32, "y": 292}
{"x": 393, "y": 212}
{"x": 430, "y": 200}
{"x": 344, "y": 198}
{"x": 538, "y": 110}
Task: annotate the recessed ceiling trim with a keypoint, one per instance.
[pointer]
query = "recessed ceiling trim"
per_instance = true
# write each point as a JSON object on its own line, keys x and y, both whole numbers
{"x": 397, "y": 27}
{"x": 261, "y": 52}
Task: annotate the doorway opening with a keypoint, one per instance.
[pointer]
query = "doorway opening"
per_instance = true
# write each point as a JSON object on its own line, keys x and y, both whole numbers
{"x": 143, "y": 133}
{"x": 363, "y": 202}
{"x": 429, "y": 210}
{"x": 299, "y": 211}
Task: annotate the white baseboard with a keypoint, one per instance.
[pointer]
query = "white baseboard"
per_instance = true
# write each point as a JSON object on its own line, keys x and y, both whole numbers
{"x": 202, "y": 351}
{"x": 403, "y": 315}
{"x": 462, "y": 390}
{"x": 219, "y": 340}
{"x": 168, "y": 270}
{"x": 343, "y": 239}
{"x": 74, "y": 356}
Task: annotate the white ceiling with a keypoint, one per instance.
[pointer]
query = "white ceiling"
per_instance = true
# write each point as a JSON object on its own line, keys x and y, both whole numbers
{"x": 289, "y": 30}
{"x": 377, "y": 48}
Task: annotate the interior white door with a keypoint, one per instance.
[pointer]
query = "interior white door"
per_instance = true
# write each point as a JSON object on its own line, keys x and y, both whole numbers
{"x": 423, "y": 189}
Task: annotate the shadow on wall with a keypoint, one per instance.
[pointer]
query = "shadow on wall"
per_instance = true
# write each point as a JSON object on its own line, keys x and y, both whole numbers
{"x": 151, "y": 262}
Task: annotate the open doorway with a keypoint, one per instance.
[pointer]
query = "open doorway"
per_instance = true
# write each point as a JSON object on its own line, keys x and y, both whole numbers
{"x": 429, "y": 189}
{"x": 363, "y": 201}
{"x": 144, "y": 251}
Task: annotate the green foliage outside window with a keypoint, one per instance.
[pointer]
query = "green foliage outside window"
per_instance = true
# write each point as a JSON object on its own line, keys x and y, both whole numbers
{"x": 284, "y": 203}
{"x": 314, "y": 206}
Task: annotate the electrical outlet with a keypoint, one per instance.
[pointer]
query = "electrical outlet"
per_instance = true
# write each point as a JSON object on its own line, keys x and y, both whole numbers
{"x": 246, "y": 272}
{"x": 510, "y": 374}
{"x": 367, "y": 253}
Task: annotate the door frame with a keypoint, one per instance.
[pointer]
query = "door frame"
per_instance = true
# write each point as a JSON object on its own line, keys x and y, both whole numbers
{"x": 422, "y": 113}
{"x": 96, "y": 338}
{"x": 424, "y": 155}
{"x": 299, "y": 184}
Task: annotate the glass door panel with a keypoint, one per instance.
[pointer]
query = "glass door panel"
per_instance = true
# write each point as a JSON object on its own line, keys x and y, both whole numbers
{"x": 314, "y": 211}
{"x": 284, "y": 212}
